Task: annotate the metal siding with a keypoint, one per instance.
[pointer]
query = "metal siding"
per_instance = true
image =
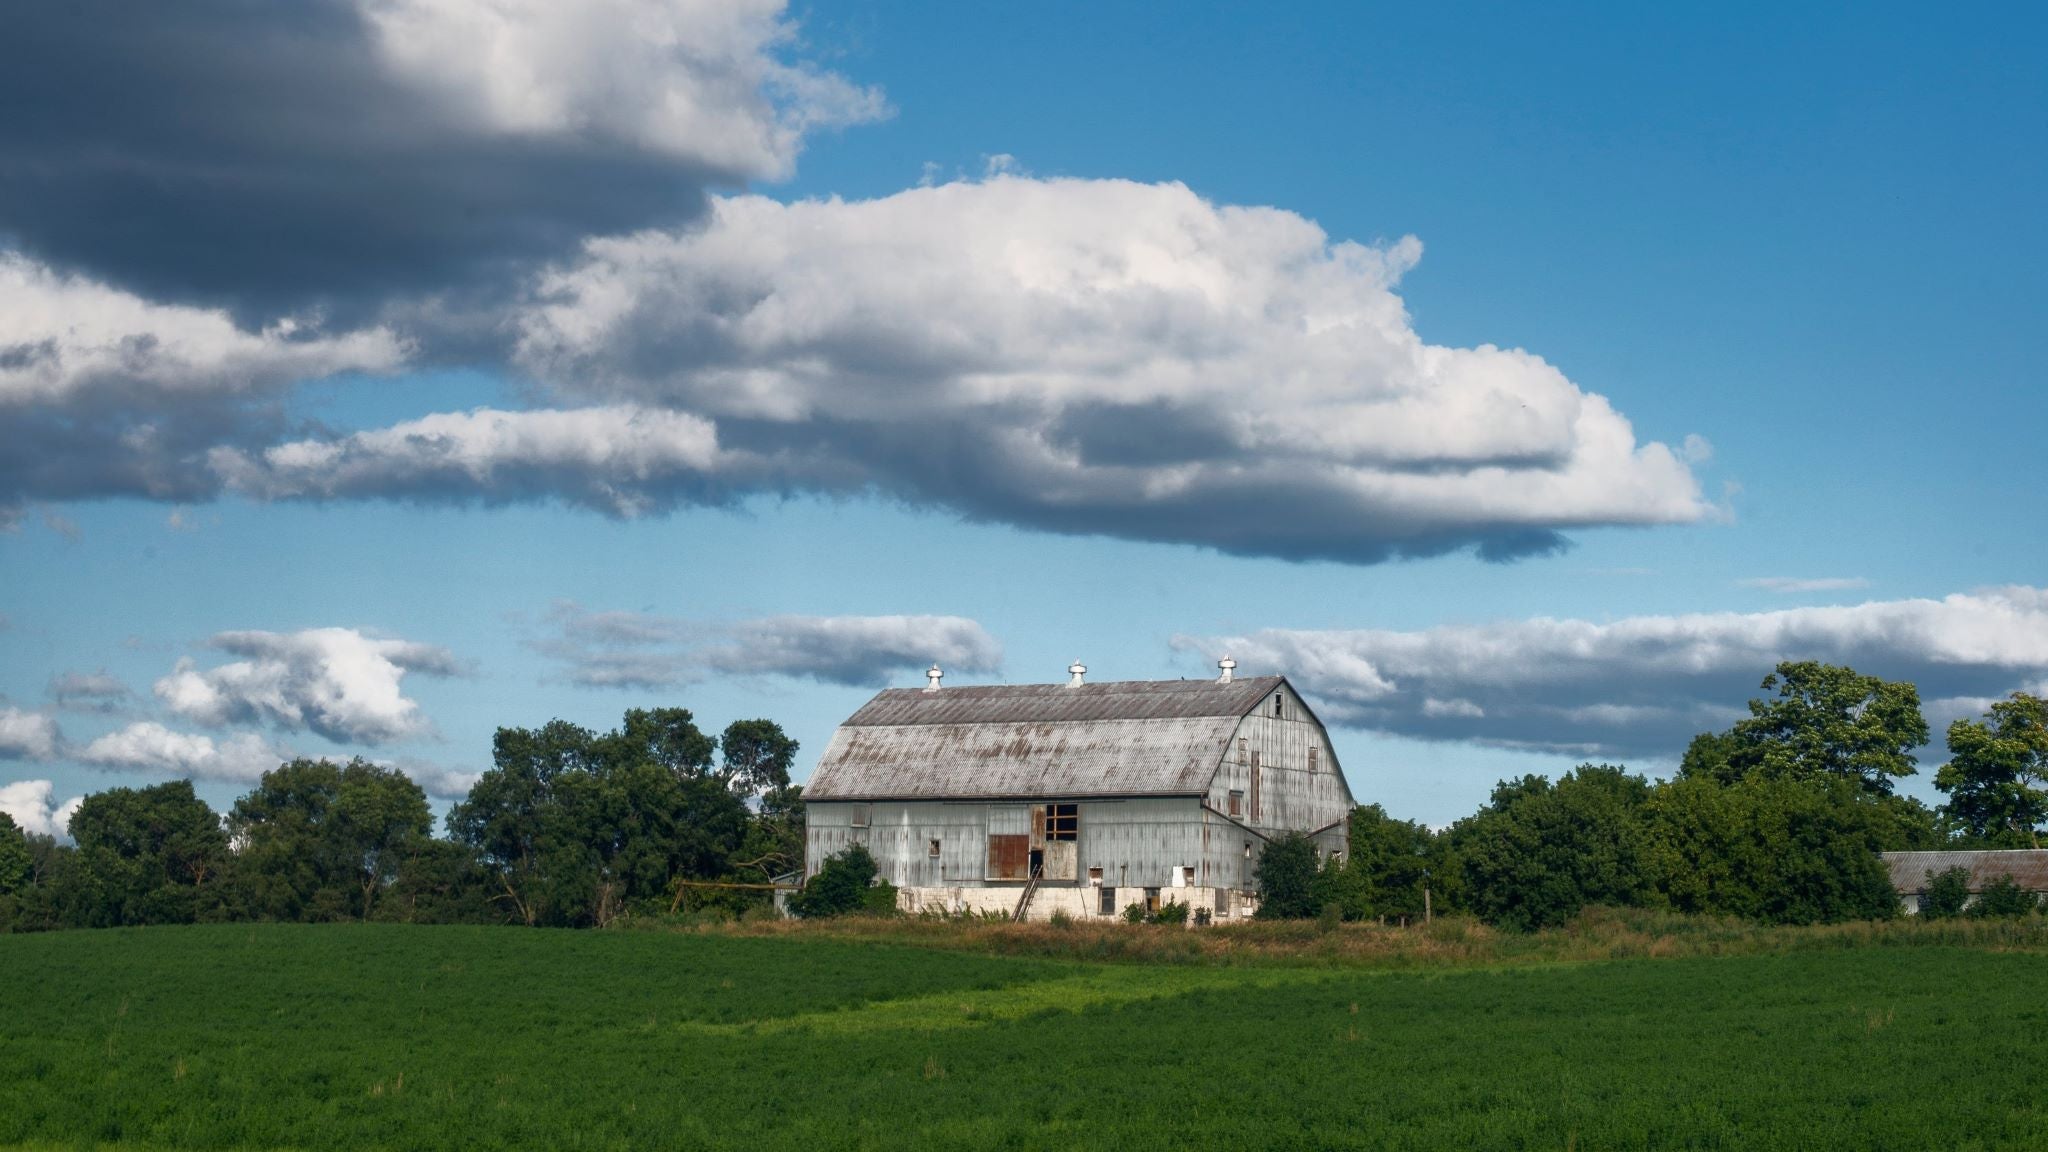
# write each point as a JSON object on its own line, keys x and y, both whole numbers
{"x": 1291, "y": 796}
{"x": 2028, "y": 868}
{"x": 1017, "y": 761}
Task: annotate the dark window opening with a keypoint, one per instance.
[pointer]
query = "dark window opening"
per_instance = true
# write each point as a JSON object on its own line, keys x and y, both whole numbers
{"x": 934, "y": 852}
{"x": 1276, "y": 704}
{"x": 1151, "y": 899}
{"x": 1187, "y": 877}
{"x": 1247, "y": 849}
{"x": 1223, "y": 901}
{"x": 1106, "y": 903}
{"x": 1062, "y": 821}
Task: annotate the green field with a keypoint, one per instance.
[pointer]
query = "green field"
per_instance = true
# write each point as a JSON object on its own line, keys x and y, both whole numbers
{"x": 354, "y": 1037}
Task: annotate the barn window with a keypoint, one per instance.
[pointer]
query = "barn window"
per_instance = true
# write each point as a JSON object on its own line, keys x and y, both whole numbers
{"x": 1095, "y": 875}
{"x": 861, "y": 815}
{"x": 1151, "y": 899}
{"x": 1255, "y": 787}
{"x": 1276, "y": 704}
{"x": 1242, "y": 744}
{"x": 1247, "y": 849}
{"x": 1187, "y": 877}
{"x": 1062, "y": 821}
{"x": 1223, "y": 901}
{"x": 1105, "y": 905}
{"x": 1237, "y": 801}
{"x": 1313, "y": 757}
{"x": 934, "y": 851}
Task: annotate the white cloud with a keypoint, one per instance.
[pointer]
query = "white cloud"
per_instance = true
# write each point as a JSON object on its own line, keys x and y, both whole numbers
{"x": 62, "y": 336}
{"x": 1812, "y": 584}
{"x": 1642, "y": 686}
{"x": 34, "y": 807}
{"x": 607, "y": 457}
{"x": 1092, "y": 356}
{"x": 699, "y": 81}
{"x": 336, "y": 682}
{"x": 438, "y": 781}
{"x": 642, "y": 650}
{"x": 147, "y": 746}
{"x": 27, "y": 735}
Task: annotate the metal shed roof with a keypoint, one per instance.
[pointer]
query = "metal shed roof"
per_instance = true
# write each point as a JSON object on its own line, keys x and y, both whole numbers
{"x": 1127, "y": 738}
{"x": 2028, "y": 868}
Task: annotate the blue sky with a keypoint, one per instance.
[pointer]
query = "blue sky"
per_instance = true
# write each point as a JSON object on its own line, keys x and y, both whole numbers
{"x": 1810, "y": 239}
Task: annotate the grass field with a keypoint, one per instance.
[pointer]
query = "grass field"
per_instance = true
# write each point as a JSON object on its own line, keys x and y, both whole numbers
{"x": 408, "y": 1037}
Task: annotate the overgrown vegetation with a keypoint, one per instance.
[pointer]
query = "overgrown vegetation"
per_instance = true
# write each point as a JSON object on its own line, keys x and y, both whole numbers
{"x": 829, "y": 1034}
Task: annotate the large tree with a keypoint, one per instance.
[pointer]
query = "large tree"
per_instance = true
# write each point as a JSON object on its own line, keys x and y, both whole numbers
{"x": 1539, "y": 852}
{"x": 145, "y": 856}
{"x": 322, "y": 841}
{"x": 1775, "y": 849}
{"x": 1823, "y": 722}
{"x": 1997, "y": 774}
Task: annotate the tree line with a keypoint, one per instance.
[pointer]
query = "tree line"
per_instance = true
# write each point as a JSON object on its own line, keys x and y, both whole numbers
{"x": 1778, "y": 819}
{"x": 569, "y": 828}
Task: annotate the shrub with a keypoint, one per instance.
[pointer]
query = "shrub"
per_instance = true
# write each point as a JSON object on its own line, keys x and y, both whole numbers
{"x": 1060, "y": 919}
{"x": 840, "y": 887}
{"x": 1331, "y": 918}
{"x": 2003, "y": 897}
{"x": 1287, "y": 878}
{"x": 1134, "y": 914}
{"x": 1171, "y": 912}
{"x": 1946, "y": 894}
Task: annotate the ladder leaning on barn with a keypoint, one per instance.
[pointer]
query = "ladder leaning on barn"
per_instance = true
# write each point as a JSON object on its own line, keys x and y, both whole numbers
{"x": 1024, "y": 901}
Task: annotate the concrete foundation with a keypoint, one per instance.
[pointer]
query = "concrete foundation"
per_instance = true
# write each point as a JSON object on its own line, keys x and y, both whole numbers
{"x": 1079, "y": 902}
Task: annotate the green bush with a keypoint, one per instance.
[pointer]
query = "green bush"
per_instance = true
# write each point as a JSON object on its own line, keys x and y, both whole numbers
{"x": 1171, "y": 912}
{"x": 1287, "y": 878}
{"x": 842, "y": 886}
{"x": 1134, "y": 914}
{"x": 1946, "y": 894}
{"x": 2003, "y": 897}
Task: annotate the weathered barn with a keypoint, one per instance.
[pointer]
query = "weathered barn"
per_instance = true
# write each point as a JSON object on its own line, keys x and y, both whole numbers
{"x": 1079, "y": 798}
{"x": 2027, "y": 867}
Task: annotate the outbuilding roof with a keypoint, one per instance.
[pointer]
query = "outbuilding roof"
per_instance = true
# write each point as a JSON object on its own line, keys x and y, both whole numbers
{"x": 2028, "y": 868}
{"x": 1119, "y": 738}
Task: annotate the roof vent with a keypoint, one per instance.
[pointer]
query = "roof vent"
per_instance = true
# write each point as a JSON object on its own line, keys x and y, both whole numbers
{"x": 934, "y": 676}
{"x": 1076, "y": 670}
{"x": 1229, "y": 666}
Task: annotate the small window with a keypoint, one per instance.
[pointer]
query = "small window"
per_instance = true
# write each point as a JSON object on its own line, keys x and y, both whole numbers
{"x": 861, "y": 815}
{"x": 1247, "y": 849}
{"x": 934, "y": 851}
{"x": 1237, "y": 802}
{"x": 1151, "y": 899}
{"x": 1223, "y": 901}
{"x": 1105, "y": 904}
{"x": 1095, "y": 875}
{"x": 1276, "y": 704}
{"x": 1242, "y": 744}
{"x": 1313, "y": 756}
{"x": 1062, "y": 821}
{"x": 1187, "y": 877}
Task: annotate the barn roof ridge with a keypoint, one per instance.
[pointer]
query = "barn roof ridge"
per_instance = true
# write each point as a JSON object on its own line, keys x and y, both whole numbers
{"x": 1064, "y": 703}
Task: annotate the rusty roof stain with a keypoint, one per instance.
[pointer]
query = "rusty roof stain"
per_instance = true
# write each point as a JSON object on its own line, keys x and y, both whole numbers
{"x": 2028, "y": 867}
{"x": 1118, "y": 738}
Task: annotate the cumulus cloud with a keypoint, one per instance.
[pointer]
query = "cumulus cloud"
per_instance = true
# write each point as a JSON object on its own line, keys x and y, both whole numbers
{"x": 34, "y": 806}
{"x": 643, "y": 650}
{"x": 26, "y": 735}
{"x": 356, "y": 151}
{"x": 1085, "y": 356}
{"x": 103, "y": 393}
{"x": 336, "y": 682}
{"x": 1807, "y": 584}
{"x": 147, "y": 746}
{"x": 89, "y": 692}
{"x": 1643, "y": 686}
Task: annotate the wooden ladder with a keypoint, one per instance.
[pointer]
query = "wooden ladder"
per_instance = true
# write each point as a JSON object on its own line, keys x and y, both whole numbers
{"x": 1024, "y": 901}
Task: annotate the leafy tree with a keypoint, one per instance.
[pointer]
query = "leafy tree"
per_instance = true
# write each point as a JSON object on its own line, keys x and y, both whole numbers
{"x": 1717, "y": 756}
{"x": 1287, "y": 878}
{"x": 1997, "y": 774}
{"x": 323, "y": 841}
{"x": 144, "y": 856}
{"x": 15, "y": 862}
{"x": 1830, "y": 722}
{"x": 840, "y": 887}
{"x": 2003, "y": 897}
{"x": 755, "y": 756}
{"x": 439, "y": 882}
{"x": 1537, "y": 853}
{"x": 1947, "y": 892}
{"x": 1775, "y": 849}
{"x": 1390, "y": 859}
{"x": 1340, "y": 886}
{"x": 576, "y": 827}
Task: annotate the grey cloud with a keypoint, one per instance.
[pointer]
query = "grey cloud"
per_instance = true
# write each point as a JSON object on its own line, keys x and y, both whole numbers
{"x": 96, "y": 692}
{"x": 1643, "y": 686}
{"x": 275, "y": 156}
{"x": 647, "y": 651}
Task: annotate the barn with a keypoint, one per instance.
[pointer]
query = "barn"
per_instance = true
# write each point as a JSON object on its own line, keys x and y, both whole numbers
{"x": 1077, "y": 797}
{"x": 1911, "y": 871}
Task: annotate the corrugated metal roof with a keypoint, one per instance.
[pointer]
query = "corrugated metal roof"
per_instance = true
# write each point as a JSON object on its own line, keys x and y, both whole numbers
{"x": 1128, "y": 738}
{"x": 2028, "y": 868}
{"x": 1059, "y": 703}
